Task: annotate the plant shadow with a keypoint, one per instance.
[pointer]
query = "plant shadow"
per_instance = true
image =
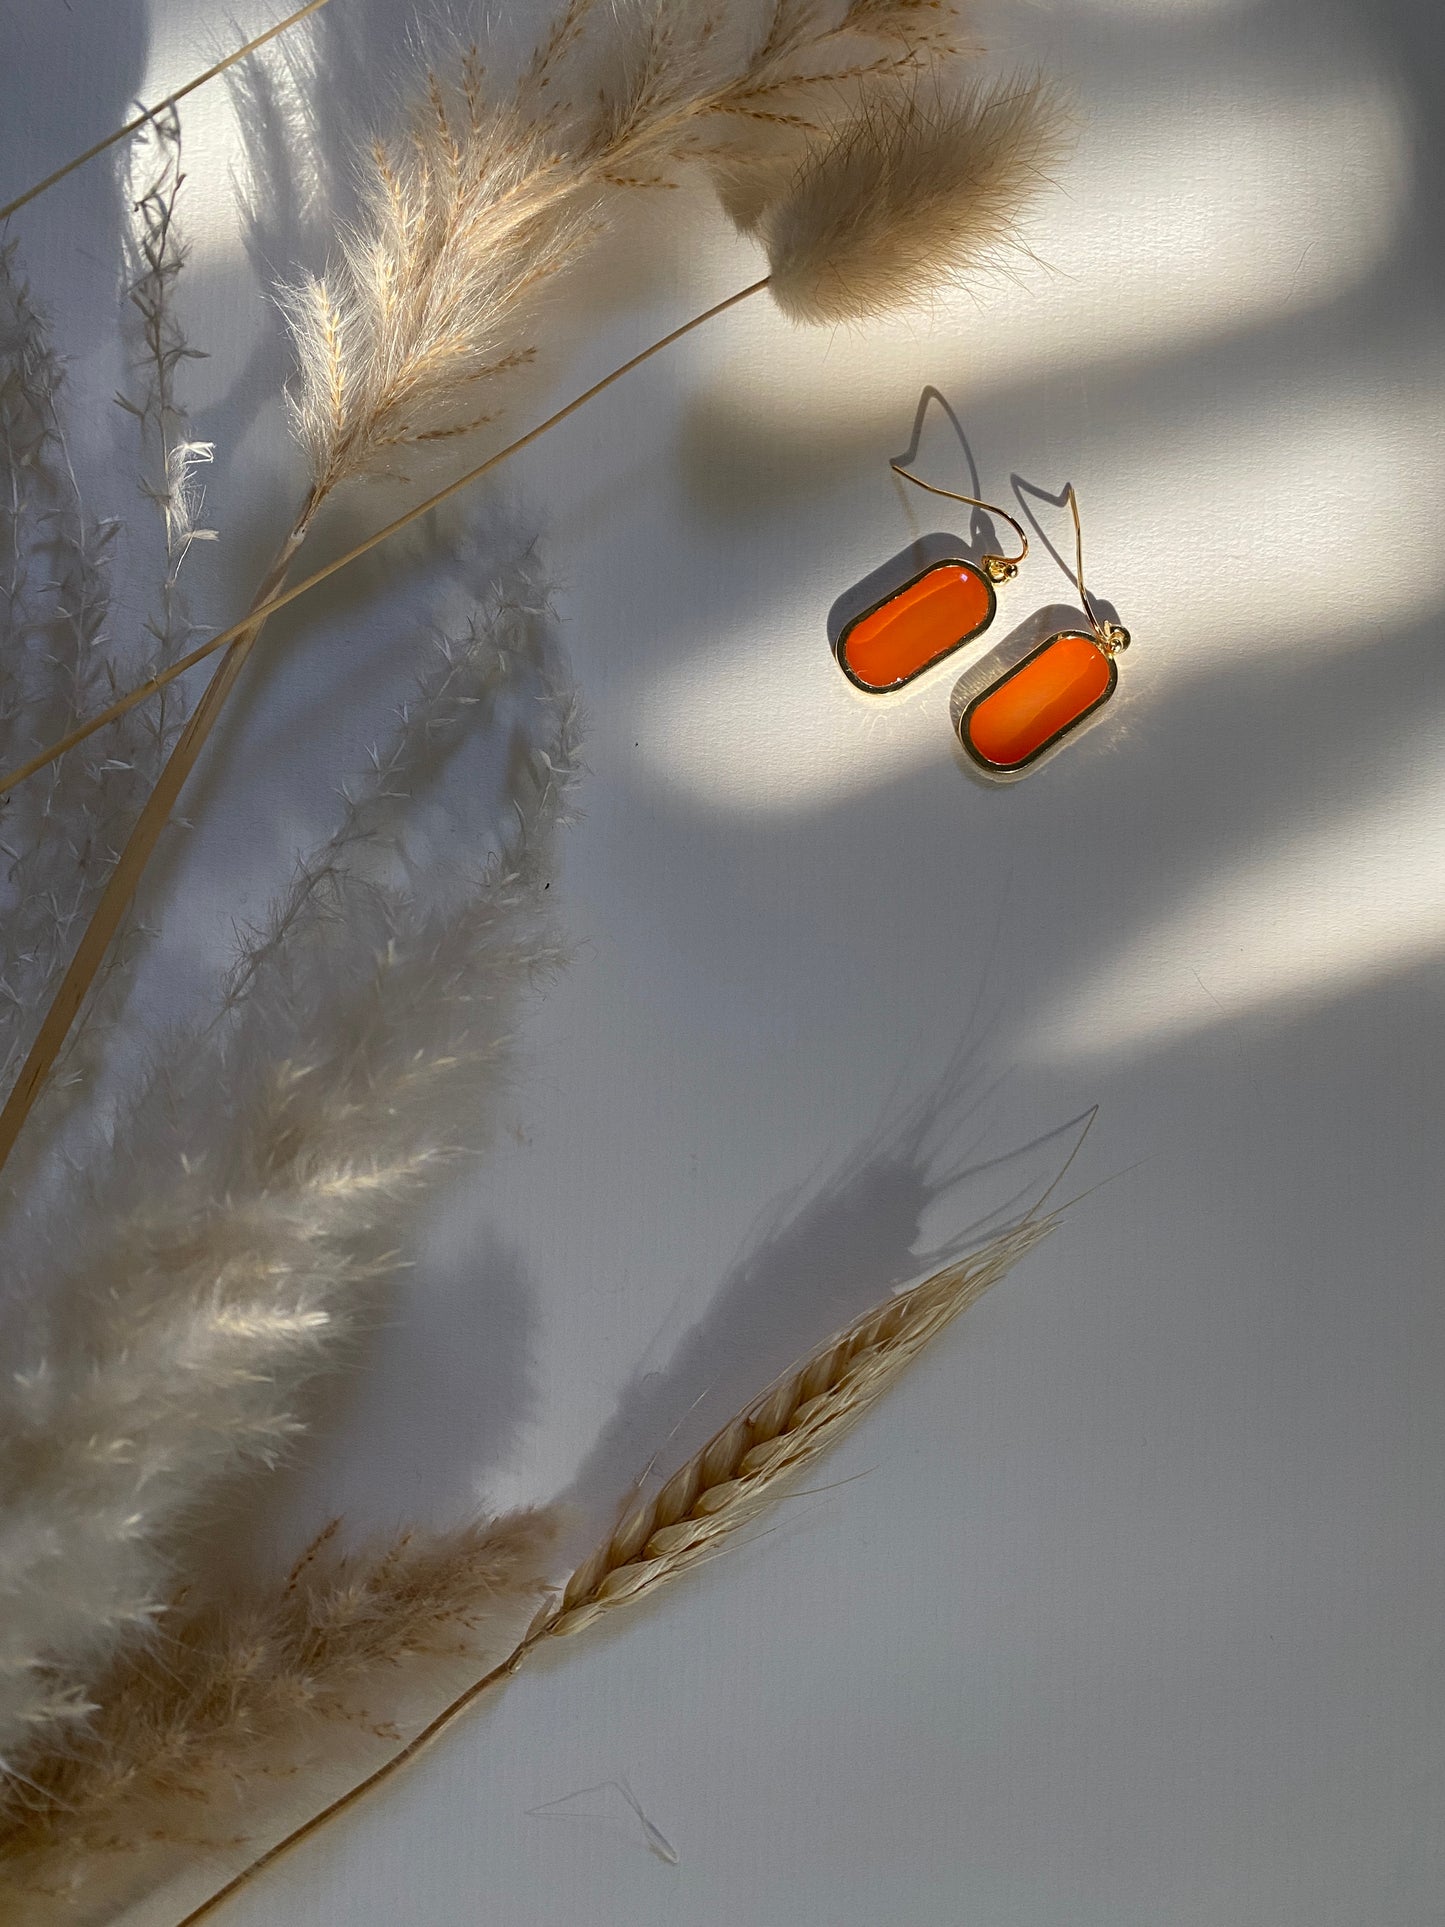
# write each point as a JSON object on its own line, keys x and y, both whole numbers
{"x": 818, "y": 1257}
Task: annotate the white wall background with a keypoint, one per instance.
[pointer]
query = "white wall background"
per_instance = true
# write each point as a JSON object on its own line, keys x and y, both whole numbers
{"x": 1126, "y": 1609}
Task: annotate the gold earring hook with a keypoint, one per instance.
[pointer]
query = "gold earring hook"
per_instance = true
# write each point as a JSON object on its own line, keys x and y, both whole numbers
{"x": 998, "y": 568}
{"x": 1112, "y": 637}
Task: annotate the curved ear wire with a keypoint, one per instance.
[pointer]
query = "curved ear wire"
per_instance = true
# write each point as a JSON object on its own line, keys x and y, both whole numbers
{"x": 998, "y": 568}
{"x": 1112, "y": 637}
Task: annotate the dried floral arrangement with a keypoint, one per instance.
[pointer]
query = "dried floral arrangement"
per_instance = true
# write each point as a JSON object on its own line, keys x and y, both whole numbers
{"x": 226, "y": 1229}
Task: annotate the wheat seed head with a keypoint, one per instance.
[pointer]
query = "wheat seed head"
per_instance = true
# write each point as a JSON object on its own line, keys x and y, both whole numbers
{"x": 780, "y": 1434}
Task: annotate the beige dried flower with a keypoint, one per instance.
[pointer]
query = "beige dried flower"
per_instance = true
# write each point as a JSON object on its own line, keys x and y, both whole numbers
{"x": 466, "y": 219}
{"x": 265, "y": 1180}
{"x": 481, "y": 203}
{"x": 231, "y": 1696}
{"x": 911, "y": 192}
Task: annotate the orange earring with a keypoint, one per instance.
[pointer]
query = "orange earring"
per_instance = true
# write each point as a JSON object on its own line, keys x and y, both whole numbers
{"x": 1041, "y": 699}
{"x": 931, "y": 615}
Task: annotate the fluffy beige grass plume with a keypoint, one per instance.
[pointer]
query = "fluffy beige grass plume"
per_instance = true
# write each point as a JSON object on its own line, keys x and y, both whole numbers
{"x": 271, "y": 1175}
{"x": 196, "y": 1729}
{"x": 915, "y": 191}
{"x": 481, "y": 202}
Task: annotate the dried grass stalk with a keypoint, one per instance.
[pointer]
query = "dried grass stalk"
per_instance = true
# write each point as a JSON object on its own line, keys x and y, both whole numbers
{"x": 56, "y": 666}
{"x": 62, "y": 655}
{"x": 904, "y": 198}
{"x": 228, "y": 1699}
{"x": 167, "y": 105}
{"x": 156, "y": 258}
{"x": 480, "y": 204}
{"x": 221, "y": 1251}
{"x": 721, "y": 1489}
{"x": 467, "y": 217}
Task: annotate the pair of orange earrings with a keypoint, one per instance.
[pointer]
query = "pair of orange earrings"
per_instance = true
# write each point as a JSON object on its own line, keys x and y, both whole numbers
{"x": 1021, "y": 715}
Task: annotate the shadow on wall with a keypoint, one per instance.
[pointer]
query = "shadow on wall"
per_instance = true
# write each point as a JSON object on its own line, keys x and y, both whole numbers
{"x": 1234, "y": 754}
{"x": 818, "y": 1258}
{"x": 1102, "y": 300}
{"x": 87, "y": 65}
{"x": 408, "y": 1434}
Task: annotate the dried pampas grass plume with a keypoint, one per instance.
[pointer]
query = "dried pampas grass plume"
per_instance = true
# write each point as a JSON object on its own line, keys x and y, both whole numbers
{"x": 722, "y": 1488}
{"x": 265, "y": 1182}
{"x": 911, "y": 193}
{"x": 899, "y": 202}
{"x": 476, "y": 205}
{"x": 230, "y": 1697}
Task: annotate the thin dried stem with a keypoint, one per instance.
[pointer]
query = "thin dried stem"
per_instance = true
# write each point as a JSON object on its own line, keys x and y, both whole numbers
{"x": 149, "y": 113}
{"x": 264, "y": 609}
{"x": 720, "y": 1489}
{"x": 124, "y": 880}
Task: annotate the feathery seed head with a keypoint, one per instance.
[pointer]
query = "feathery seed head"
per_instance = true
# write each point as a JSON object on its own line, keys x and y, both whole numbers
{"x": 909, "y": 194}
{"x": 477, "y": 205}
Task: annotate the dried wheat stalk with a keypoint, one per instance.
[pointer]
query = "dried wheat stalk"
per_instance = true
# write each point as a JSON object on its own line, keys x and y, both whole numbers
{"x": 720, "y": 1490}
{"x": 722, "y": 1487}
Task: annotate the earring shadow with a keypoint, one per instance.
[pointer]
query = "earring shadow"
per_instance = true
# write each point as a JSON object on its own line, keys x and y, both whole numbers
{"x": 925, "y": 551}
{"x": 1025, "y": 493}
{"x": 982, "y": 532}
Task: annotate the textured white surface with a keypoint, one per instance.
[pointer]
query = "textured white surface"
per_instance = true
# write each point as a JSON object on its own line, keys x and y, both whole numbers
{"x": 1125, "y": 1610}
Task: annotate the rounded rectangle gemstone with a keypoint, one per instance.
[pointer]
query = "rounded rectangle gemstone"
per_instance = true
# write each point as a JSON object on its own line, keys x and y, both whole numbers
{"x": 1045, "y": 696}
{"x": 916, "y": 626}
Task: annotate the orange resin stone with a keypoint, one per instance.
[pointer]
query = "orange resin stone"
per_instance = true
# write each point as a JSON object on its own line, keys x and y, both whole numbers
{"x": 1029, "y": 709}
{"x": 918, "y": 625}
